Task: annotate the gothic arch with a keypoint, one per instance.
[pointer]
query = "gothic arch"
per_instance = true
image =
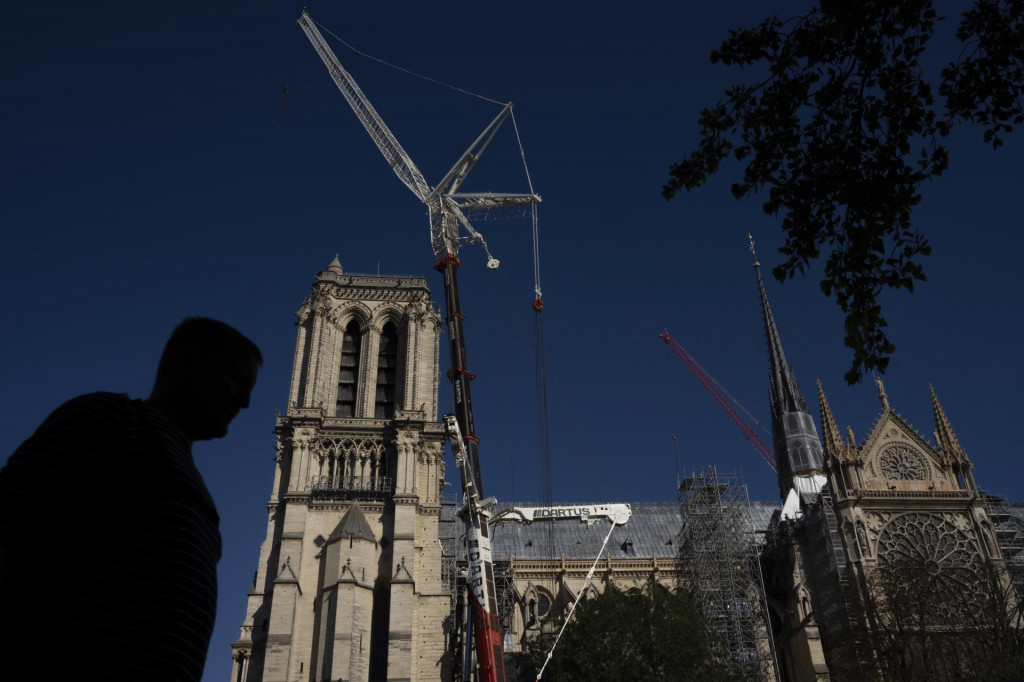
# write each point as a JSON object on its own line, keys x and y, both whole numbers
{"x": 803, "y": 602}
{"x": 537, "y": 604}
{"x": 394, "y": 384}
{"x": 353, "y": 310}
{"x": 389, "y": 312}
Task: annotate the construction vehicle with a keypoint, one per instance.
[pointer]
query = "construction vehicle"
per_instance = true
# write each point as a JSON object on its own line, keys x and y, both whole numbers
{"x": 447, "y": 208}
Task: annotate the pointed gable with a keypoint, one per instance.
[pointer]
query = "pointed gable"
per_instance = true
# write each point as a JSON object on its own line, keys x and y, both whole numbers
{"x": 402, "y": 574}
{"x": 287, "y": 575}
{"x": 897, "y": 457}
{"x": 834, "y": 446}
{"x": 353, "y": 524}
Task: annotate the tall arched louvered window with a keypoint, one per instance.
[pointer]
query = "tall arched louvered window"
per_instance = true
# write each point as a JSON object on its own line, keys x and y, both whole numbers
{"x": 387, "y": 372}
{"x": 348, "y": 375}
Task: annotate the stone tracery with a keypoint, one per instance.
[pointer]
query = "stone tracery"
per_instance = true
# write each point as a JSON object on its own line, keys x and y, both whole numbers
{"x": 899, "y": 461}
{"x": 351, "y": 463}
{"x": 927, "y": 555}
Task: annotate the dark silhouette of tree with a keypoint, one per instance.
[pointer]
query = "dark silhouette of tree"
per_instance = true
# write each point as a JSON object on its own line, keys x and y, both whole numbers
{"x": 637, "y": 635}
{"x": 925, "y": 631}
{"x": 843, "y": 130}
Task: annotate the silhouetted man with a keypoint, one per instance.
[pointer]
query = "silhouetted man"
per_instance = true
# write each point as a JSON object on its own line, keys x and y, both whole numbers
{"x": 109, "y": 539}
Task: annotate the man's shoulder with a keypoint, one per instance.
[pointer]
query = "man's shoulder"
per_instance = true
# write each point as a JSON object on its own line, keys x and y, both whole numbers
{"x": 100, "y": 404}
{"x": 100, "y": 415}
{"x": 99, "y": 399}
{"x": 79, "y": 443}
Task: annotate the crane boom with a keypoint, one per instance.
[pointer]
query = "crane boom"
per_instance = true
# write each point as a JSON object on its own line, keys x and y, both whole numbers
{"x": 444, "y": 207}
{"x": 385, "y": 140}
{"x": 443, "y": 203}
{"x": 708, "y": 382}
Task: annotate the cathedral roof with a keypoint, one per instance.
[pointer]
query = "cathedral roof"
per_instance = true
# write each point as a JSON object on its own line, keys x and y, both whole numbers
{"x": 652, "y": 530}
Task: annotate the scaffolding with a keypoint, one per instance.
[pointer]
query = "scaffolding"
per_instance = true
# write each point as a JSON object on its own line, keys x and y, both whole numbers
{"x": 1008, "y": 526}
{"x": 719, "y": 545}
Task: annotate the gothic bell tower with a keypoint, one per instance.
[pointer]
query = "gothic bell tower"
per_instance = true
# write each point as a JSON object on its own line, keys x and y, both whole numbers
{"x": 348, "y": 585}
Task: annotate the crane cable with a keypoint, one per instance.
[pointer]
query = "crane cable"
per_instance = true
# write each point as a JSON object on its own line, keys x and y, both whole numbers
{"x": 359, "y": 53}
{"x": 543, "y": 424}
{"x": 515, "y": 127}
{"x": 540, "y": 355}
{"x": 537, "y": 304}
{"x": 568, "y": 618}
{"x": 536, "y": 242}
{"x": 578, "y": 450}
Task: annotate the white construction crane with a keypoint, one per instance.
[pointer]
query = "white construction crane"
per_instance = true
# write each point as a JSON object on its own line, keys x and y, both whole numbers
{"x": 445, "y": 204}
{"x": 447, "y": 209}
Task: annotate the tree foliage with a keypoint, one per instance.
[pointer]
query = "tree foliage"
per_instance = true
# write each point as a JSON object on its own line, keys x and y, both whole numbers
{"x": 637, "y": 635}
{"x": 845, "y": 128}
{"x": 925, "y": 632}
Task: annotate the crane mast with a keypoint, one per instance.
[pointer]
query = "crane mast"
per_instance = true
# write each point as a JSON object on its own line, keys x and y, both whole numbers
{"x": 447, "y": 208}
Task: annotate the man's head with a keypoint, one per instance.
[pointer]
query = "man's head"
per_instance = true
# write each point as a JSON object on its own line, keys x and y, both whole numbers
{"x": 205, "y": 375}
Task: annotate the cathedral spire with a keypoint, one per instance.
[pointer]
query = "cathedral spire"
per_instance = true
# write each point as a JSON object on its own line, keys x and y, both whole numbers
{"x": 797, "y": 449}
{"x": 882, "y": 396}
{"x": 944, "y": 436}
{"x": 335, "y": 265}
{"x": 786, "y": 394}
{"x": 829, "y": 429}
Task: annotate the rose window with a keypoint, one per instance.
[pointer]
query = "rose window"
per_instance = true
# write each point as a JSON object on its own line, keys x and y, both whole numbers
{"x": 901, "y": 462}
{"x": 924, "y": 557}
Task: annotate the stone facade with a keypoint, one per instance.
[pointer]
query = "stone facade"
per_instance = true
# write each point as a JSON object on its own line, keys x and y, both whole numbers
{"x": 901, "y": 529}
{"x": 541, "y": 568}
{"x": 884, "y": 562}
{"x": 348, "y": 585}
{"x": 357, "y": 578}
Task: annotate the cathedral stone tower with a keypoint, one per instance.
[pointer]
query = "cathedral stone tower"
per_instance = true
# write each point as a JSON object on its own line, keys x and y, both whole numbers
{"x": 348, "y": 585}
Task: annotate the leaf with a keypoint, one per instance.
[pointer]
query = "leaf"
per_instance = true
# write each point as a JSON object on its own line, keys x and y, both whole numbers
{"x": 845, "y": 129}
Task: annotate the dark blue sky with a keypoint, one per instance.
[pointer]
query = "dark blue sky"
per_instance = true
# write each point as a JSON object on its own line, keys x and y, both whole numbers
{"x": 145, "y": 178}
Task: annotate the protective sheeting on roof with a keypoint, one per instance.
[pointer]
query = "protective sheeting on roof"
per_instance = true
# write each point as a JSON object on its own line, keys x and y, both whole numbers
{"x": 653, "y": 530}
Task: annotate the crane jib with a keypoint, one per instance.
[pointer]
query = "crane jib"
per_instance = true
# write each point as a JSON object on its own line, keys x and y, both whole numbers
{"x": 446, "y": 217}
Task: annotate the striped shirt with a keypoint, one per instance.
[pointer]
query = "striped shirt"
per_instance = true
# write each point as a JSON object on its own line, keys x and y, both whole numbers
{"x": 111, "y": 542}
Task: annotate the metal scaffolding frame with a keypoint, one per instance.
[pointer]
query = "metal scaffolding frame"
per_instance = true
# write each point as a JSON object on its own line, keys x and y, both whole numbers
{"x": 1008, "y": 526}
{"x": 721, "y": 550}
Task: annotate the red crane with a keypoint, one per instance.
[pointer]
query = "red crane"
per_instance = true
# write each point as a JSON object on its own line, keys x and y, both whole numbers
{"x": 712, "y": 386}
